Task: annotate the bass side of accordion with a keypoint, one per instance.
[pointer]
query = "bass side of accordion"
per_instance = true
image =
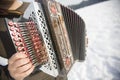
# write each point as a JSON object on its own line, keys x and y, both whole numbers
{"x": 51, "y": 34}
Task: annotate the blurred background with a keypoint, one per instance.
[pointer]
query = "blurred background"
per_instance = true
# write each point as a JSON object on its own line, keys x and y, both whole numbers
{"x": 102, "y": 20}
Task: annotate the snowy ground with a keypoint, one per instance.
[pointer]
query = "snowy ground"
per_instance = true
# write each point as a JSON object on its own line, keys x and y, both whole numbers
{"x": 103, "y": 54}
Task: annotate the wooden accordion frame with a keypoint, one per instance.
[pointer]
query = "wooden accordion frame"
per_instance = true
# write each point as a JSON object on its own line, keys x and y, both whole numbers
{"x": 51, "y": 34}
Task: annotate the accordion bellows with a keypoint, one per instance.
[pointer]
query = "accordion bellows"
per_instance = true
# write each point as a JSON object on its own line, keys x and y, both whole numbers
{"x": 52, "y": 35}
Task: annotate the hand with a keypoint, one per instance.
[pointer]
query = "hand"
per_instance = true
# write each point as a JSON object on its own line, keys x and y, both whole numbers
{"x": 19, "y": 66}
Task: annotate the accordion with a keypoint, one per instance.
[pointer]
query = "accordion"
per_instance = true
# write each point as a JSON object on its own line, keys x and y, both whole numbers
{"x": 51, "y": 34}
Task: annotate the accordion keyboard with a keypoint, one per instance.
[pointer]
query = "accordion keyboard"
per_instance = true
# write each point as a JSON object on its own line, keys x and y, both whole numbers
{"x": 31, "y": 36}
{"x": 27, "y": 40}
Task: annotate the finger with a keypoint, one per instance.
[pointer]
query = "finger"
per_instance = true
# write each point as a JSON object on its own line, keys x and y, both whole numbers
{"x": 20, "y": 62}
{"x": 17, "y": 56}
{"x": 24, "y": 68}
{"x": 28, "y": 72}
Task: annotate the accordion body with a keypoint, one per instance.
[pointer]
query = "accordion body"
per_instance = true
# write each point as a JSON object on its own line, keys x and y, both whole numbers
{"x": 52, "y": 35}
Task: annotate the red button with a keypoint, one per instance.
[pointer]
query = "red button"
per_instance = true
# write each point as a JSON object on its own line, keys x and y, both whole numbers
{"x": 16, "y": 38}
{"x": 21, "y": 49}
{"x": 37, "y": 43}
{"x": 35, "y": 39}
{"x": 10, "y": 23}
{"x": 14, "y": 33}
{"x": 12, "y": 28}
{"x": 19, "y": 44}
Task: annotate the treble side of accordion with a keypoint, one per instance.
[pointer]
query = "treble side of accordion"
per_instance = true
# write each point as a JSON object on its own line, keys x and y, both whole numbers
{"x": 51, "y": 34}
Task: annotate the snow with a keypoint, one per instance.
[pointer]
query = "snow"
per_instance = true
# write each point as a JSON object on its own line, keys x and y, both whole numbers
{"x": 69, "y": 2}
{"x": 103, "y": 53}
